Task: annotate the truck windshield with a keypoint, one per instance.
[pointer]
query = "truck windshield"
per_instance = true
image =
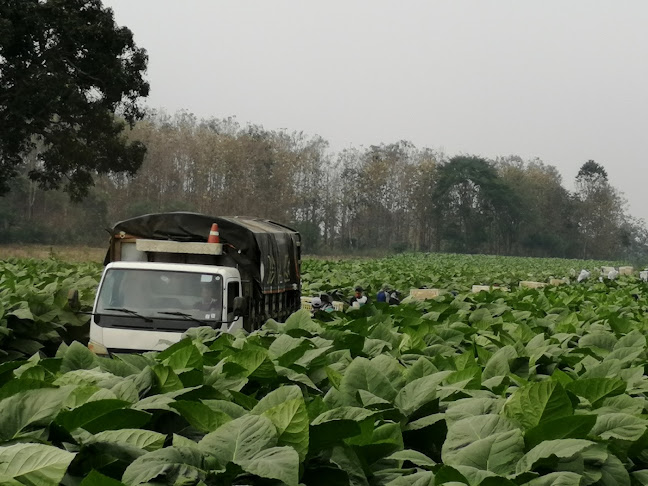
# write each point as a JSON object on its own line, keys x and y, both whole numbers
{"x": 152, "y": 293}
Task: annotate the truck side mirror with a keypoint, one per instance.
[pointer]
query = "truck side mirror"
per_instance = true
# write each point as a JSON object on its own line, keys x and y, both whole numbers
{"x": 73, "y": 299}
{"x": 240, "y": 306}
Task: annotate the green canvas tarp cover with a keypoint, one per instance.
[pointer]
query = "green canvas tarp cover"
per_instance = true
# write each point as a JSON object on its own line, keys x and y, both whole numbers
{"x": 266, "y": 250}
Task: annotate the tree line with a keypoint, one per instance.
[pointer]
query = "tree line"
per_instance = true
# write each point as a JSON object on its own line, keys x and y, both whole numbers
{"x": 382, "y": 198}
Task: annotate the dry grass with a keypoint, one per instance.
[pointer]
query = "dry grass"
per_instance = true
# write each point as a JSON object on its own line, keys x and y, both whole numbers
{"x": 42, "y": 252}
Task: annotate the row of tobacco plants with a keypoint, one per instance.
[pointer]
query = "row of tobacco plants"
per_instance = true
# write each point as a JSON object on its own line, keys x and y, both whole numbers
{"x": 529, "y": 387}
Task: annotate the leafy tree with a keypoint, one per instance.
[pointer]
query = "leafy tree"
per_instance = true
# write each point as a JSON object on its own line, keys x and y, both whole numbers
{"x": 477, "y": 209}
{"x": 599, "y": 212}
{"x": 66, "y": 70}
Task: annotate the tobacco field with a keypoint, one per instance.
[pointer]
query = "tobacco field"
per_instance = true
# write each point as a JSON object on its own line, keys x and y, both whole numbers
{"x": 530, "y": 387}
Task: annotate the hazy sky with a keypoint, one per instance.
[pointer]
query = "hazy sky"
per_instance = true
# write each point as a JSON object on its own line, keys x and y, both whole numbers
{"x": 565, "y": 81}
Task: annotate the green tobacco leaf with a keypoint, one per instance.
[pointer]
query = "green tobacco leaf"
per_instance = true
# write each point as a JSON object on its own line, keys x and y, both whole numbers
{"x": 345, "y": 458}
{"x": 97, "y": 479}
{"x": 281, "y": 463}
{"x": 421, "y": 367}
{"x": 333, "y": 426}
{"x": 362, "y": 375}
{"x": 538, "y": 402}
{"x": 561, "y": 448}
{"x": 126, "y": 418}
{"x": 640, "y": 477}
{"x": 619, "y": 426}
{"x": 415, "y": 457}
{"x": 187, "y": 357}
{"x": 142, "y": 439}
{"x": 425, "y": 478}
{"x": 498, "y": 364}
{"x": 286, "y": 350}
{"x": 286, "y": 409}
{"x": 613, "y": 472}
{"x": 489, "y": 442}
{"x": 70, "y": 420}
{"x": 32, "y": 407}
{"x": 418, "y": 393}
{"x": 562, "y": 478}
{"x": 78, "y": 357}
{"x": 594, "y": 389}
{"x": 34, "y": 464}
{"x": 231, "y": 409}
{"x": 470, "y": 407}
{"x": 572, "y": 427}
{"x": 201, "y": 416}
{"x": 167, "y": 380}
{"x": 189, "y": 465}
{"x": 239, "y": 440}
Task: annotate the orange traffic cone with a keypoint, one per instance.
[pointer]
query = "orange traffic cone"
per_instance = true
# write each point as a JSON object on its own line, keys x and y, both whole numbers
{"x": 214, "y": 236}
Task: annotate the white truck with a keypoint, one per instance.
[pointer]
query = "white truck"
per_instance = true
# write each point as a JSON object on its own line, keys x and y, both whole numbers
{"x": 162, "y": 277}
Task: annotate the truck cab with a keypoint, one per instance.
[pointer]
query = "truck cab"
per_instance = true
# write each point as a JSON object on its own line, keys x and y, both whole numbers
{"x": 164, "y": 275}
{"x": 144, "y": 306}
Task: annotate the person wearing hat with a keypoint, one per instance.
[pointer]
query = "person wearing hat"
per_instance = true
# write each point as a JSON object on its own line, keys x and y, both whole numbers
{"x": 383, "y": 293}
{"x": 327, "y": 305}
{"x": 316, "y": 305}
{"x": 359, "y": 299}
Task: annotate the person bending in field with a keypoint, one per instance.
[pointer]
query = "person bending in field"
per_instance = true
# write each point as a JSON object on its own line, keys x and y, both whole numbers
{"x": 358, "y": 299}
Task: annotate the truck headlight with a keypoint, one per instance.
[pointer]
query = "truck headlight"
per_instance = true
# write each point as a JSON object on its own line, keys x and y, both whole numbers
{"x": 98, "y": 349}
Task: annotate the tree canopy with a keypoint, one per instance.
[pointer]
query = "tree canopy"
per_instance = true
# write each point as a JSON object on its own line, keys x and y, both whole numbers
{"x": 70, "y": 80}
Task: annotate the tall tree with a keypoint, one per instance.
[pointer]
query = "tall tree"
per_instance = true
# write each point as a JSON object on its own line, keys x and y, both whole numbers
{"x": 599, "y": 212}
{"x": 66, "y": 71}
{"x": 477, "y": 210}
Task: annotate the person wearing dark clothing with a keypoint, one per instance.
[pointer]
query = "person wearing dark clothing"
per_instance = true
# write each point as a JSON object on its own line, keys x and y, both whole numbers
{"x": 358, "y": 299}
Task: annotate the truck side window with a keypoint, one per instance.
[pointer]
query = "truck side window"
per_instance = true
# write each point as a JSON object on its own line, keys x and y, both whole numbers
{"x": 232, "y": 292}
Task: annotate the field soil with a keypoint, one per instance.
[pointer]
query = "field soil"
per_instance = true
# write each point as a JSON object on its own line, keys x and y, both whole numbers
{"x": 65, "y": 253}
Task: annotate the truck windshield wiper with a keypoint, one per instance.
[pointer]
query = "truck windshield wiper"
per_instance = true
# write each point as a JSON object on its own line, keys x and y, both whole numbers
{"x": 129, "y": 311}
{"x": 183, "y": 314}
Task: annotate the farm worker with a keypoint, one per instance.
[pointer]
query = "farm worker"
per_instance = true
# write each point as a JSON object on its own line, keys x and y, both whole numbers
{"x": 359, "y": 299}
{"x": 394, "y": 297}
{"x": 327, "y": 305}
{"x": 316, "y": 305}
{"x": 381, "y": 296}
{"x": 584, "y": 275}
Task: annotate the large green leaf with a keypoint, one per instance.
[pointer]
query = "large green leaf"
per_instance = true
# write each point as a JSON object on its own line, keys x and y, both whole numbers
{"x": 78, "y": 357}
{"x": 562, "y": 478}
{"x": 239, "y": 440}
{"x": 88, "y": 412}
{"x": 489, "y": 442}
{"x": 619, "y": 426}
{"x": 142, "y": 439}
{"x": 538, "y": 402}
{"x": 188, "y": 465}
{"x": 200, "y": 416}
{"x": 32, "y": 407}
{"x": 281, "y": 463}
{"x": 571, "y": 427}
{"x": 418, "y": 393}
{"x": 98, "y": 479}
{"x": 561, "y": 448}
{"x": 286, "y": 409}
{"x": 594, "y": 389}
{"x": 361, "y": 375}
{"x": 498, "y": 364}
{"x": 331, "y": 427}
{"x": 34, "y": 464}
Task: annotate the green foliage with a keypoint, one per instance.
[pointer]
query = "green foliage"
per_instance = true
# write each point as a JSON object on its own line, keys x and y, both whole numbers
{"x": 66, "y": 69}
{"x": 528, "y": 387}
{"x": 34, "y": 313}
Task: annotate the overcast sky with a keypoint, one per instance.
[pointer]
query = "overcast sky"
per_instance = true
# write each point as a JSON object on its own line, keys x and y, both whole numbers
{"x": 565, "y": 81}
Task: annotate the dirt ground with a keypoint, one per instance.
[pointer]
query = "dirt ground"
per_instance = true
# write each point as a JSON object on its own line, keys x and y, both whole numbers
{"x": 65, "y": 253}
